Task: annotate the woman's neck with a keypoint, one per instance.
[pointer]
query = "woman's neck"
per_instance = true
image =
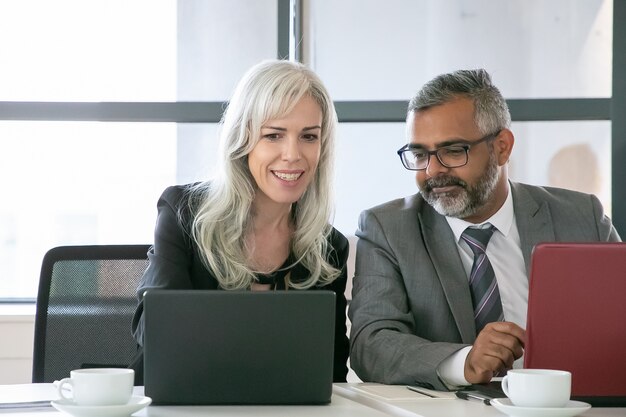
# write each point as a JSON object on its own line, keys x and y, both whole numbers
{"x": 267, "y": 214}
{"x": 268, "y": 239}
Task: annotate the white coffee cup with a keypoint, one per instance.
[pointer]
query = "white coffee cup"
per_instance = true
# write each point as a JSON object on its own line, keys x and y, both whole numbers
{"x": 98, "y": 386}
{"x": 537, "y": 387}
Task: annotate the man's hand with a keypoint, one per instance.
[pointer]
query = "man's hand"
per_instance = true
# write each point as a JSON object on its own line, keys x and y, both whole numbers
{"x": 496, "y": 347}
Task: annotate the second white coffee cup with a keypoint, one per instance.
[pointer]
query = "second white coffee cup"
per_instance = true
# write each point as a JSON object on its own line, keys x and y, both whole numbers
{"x": 537, "y": 387}
{"x": 98, "y": 386}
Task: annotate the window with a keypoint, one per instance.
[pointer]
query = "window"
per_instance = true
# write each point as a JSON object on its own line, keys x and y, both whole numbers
{"x": 532, "y": 48}
{"x": 75, "y": 172}
{"x": 91, "y": 182}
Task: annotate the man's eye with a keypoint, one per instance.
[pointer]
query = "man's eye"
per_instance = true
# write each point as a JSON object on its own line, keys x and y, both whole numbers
{"x": 453, "y": 150}
{"x": 420, "y": 154}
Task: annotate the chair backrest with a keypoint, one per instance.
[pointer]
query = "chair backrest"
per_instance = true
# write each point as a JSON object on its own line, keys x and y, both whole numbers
{"x": 85, "y": 304}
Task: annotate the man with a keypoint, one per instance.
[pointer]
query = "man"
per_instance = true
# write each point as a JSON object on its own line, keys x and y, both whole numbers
{"x": 429, "y": 306}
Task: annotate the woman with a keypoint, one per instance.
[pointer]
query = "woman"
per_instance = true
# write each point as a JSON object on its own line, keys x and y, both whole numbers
{"x": 263, "y": 222}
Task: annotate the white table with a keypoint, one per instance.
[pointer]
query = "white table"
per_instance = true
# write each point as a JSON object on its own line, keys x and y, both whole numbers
{"x": 339, "y": 406}
{"x": 399, "y": 401}
{"x": 362, "y": 400}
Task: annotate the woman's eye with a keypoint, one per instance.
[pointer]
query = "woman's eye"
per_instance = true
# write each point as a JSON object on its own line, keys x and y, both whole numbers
{"x": 271, "y": 136}
{"x": 310, "y": 138}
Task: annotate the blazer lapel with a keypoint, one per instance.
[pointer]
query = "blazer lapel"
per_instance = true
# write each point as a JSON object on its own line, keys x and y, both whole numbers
{"x": 534, "y": 221}
{"x": 441, "y": 246}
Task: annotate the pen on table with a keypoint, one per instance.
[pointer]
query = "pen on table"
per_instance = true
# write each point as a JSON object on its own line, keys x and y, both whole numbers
{"x": 420, "y": 391}
{"x": 464, "y": 395}
{"x": 25, "y": 404}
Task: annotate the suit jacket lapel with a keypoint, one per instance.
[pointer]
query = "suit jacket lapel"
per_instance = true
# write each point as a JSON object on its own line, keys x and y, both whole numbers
{"x": 534, "y": 224}
{"x": 441, "y": 246}
{"x": 534, "y": 221}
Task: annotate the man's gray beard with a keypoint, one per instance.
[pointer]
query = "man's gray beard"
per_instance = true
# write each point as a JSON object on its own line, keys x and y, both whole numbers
{"x": 468, "y": 200}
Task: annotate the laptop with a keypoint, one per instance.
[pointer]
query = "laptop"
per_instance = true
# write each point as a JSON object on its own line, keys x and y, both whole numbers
{"x": 239, "y": 347}
{"x": 577, "y": 317}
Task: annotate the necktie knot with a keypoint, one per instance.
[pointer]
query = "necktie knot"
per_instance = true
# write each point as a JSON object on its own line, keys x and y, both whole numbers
{"x": 477, "y": 238}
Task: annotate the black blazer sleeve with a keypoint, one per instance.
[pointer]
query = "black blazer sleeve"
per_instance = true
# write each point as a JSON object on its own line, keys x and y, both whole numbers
{"x": 337, "y": 256}
{"x": 339, "y": 259}
{"x": 170, "y": 257}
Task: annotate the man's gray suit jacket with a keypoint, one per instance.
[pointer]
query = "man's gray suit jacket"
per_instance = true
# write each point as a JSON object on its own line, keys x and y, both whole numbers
{"x": 411, "y": 307}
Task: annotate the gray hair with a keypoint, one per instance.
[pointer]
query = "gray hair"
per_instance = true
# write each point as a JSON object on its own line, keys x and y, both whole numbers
{"x": 491, "y": 112}
{"x": 269, "y": 90}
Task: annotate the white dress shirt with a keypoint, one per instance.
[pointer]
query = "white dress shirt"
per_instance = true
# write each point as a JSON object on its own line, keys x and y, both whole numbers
{"x": 505, "y": 255}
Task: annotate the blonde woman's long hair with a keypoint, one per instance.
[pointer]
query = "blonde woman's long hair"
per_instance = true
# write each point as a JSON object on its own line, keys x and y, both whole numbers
{"x": 221, "y": 207}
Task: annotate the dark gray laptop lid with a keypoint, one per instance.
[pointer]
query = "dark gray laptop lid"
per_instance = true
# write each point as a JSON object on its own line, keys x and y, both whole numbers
{"x": 239, "y": 347}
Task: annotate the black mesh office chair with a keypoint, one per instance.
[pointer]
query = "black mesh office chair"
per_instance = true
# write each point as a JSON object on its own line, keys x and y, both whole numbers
{"x": 85, "y": 303}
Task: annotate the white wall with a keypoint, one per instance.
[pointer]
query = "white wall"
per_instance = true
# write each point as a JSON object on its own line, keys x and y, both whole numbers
{"x": 17, "y": 324}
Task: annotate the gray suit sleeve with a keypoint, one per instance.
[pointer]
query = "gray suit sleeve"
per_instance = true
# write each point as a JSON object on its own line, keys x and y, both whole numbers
{"x": 385, "y": 346}
{"x": 606, "y": 230}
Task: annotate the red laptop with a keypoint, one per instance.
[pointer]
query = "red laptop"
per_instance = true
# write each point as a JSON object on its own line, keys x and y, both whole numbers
{"x": 577, "y": 317}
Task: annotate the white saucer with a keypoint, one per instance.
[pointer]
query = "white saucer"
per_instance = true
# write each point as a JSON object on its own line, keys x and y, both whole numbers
{"x": 572, "y": 408}
{"x": 135, "y": 404}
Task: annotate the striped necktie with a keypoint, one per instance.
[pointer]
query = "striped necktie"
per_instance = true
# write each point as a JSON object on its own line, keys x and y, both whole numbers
{"x": 483, "y": 284}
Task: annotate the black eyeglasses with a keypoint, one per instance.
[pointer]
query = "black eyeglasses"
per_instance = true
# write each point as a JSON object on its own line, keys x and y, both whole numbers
{"x": 416, "y": 158}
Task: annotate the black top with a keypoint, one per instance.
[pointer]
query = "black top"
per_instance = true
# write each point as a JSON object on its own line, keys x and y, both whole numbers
{"x": 274, "y": 278}
{"x": 176, "y": 264}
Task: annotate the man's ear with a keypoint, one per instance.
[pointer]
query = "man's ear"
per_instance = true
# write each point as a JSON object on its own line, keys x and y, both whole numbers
{"x": 503, "y": 145}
